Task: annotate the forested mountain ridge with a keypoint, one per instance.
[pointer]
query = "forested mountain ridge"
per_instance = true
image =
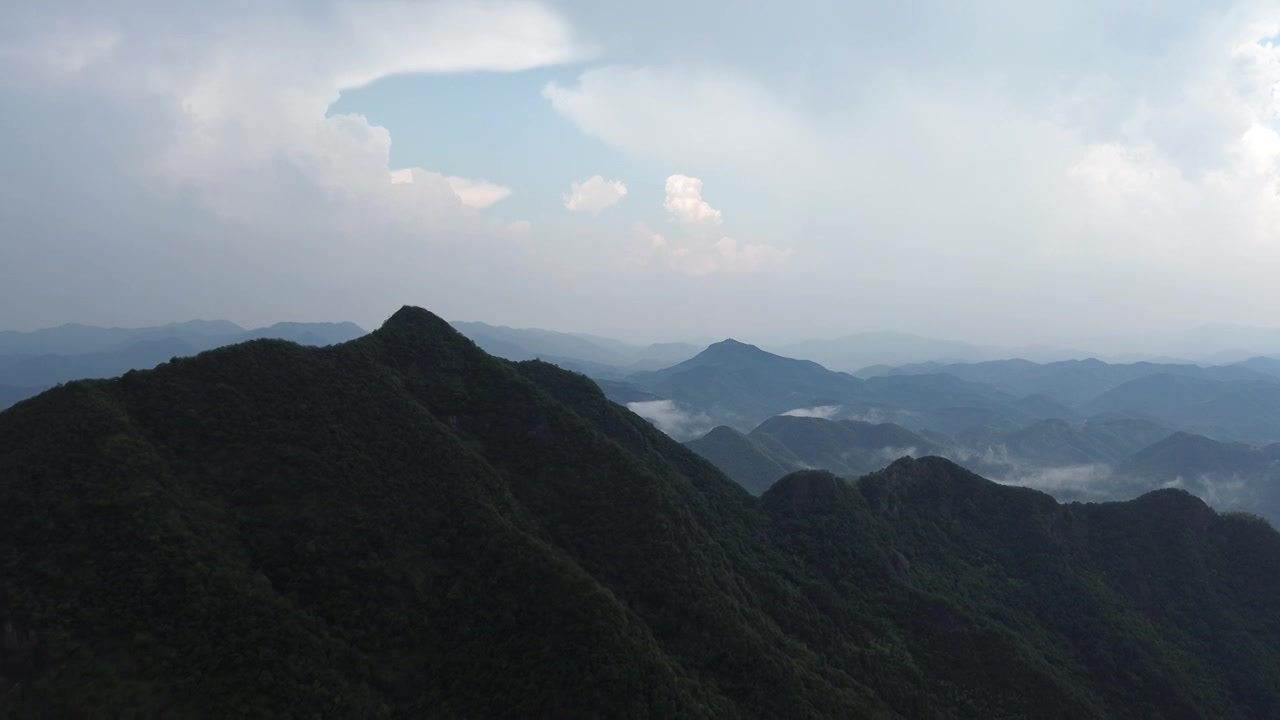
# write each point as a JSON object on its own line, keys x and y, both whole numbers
{"x": 402, "y": 525}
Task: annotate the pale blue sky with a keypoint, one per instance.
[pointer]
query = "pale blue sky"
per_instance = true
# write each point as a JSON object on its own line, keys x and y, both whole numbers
{"x": 996, "y": 171}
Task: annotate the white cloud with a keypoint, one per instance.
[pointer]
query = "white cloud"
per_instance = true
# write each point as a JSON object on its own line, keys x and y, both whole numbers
{"x": 1146, "y": 171}
{"x": 698, "y": 118}
{"x": 202, "y": 142}
{"x": 694, "y": 248}
{"x": 254, "y": 86}
{"x": 478, "y": 194}
{"x": 684, "y": 201}
{"x": 594, "y": 195}
{"x": 826, "y": 412}
{"x": 671, "y": 419}
{"x": 1069, "y": 480}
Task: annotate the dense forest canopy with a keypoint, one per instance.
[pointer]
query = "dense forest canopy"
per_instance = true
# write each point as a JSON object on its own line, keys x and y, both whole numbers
{"x": 404, "y": 526}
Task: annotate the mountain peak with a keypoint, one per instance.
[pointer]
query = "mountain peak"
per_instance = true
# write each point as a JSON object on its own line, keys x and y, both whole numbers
{"x": 803, "y": 492}
{"x": 1175, "y": 507}
{"x": 729, "y": 345}
{"x": 933, "y": 480}
{"x": 412, "y": 320}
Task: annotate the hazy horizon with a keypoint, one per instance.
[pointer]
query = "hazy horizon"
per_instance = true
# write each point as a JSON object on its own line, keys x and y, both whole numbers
{"x": 1007, "y": 175}
{"x": 1145, "y": 347}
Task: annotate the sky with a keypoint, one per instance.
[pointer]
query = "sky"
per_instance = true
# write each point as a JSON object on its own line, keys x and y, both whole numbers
{"x": 992, "y": 171}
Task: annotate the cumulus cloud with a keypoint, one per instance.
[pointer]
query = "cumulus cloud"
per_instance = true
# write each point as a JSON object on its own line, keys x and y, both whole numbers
{"x": 684, "y": 201}
{"x": 204, "y": 153}
{"x": 825, "y": 412}
{"x": 1140, "y": 169}
{"x": 695, "y": 248}
{"x": 478, "y": 194}
{"x": 686, "y": 116}
{"x": 594, "y": 195}
{"x": 671, "y": 419}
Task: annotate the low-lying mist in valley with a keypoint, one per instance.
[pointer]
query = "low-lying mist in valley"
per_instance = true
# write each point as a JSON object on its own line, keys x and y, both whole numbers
{"x": 671, "y": 419}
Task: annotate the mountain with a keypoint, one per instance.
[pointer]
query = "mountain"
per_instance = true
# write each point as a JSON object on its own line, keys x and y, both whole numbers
{"x": 590, "y": 354}
{"x": 1228, "y": 475}
{"x": 624, "y": 393}
{"x": 849, "y": 448}
{"x": 1242, "y": 410}
{"x": 784, "y": 444}
{"x": 318, "y": 334}
{"x": 403, "y": 525}
{"x": 46, "y": 370}
{"x": 35, "y": 365}
{"x": 1058, "y": 442}
{"x": 948, "y": 404}
{"x": 744, "y": 460}
{"x": 1072, "y": 383}
{"x": 1215, "y": 343}
{"x": 75, "y": 339}
{"x": 741, "y": 385}
{"x": 1261, "y": 364}
{"x": 1071, "y": 460}
{"x": 1187, "y": 454}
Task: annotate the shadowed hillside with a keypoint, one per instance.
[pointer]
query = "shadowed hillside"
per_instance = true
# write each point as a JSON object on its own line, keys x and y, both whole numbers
{"x": 403, "y": 525}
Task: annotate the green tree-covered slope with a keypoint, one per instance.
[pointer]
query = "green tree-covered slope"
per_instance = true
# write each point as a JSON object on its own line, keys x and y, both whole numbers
{"x": 403, "y": 526}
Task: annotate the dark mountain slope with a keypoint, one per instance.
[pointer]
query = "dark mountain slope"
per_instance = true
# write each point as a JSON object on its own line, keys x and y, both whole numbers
{"x": 405, "y": 526}
{"x": 394, "y": 523}
{"x": 1116, "y": 609}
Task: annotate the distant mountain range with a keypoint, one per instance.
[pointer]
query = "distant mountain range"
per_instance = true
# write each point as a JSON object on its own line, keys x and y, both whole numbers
{"x": 1074, "y": 382}
{"x": 785, "y": 444}
{"x": 1100, "y": 459}
{"x": 880, "y": 351}
{"x": 888, "y": 348}
{"x": 1209, "y": 344}
{"x": 1070, "y": 427}
{"x": 589, "y": 354}
{"x": 33, "y": 361}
